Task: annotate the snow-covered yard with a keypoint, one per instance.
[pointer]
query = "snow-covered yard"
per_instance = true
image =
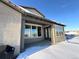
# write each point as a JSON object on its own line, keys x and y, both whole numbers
{"x": 74, "y": 40}
{"x": 64, "y": 50}
{"x": 33, "y": 48}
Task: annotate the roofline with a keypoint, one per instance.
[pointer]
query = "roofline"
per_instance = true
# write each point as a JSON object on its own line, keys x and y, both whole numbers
{"x": 45, "y": 19}
{"x": 24, "y": 13}
{"x": 34, "y": 9}
{"x": 10, "y": 4}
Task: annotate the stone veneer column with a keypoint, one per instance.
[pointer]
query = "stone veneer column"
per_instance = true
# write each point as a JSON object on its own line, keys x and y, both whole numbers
{"x": 53, "y": 35}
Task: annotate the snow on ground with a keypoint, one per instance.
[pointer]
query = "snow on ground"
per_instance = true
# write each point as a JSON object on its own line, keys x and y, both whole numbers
{"x": 63, "y": 50}
{"x": 34, "y": 48}
{"x": 30, "y": 51}
{"x": 74, "y": 40}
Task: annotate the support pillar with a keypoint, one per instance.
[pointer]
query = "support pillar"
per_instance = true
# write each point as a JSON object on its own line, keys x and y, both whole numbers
{"x": 53, "y": 35}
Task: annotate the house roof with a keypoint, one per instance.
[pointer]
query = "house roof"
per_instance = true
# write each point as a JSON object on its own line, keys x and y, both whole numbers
{"x": 15, "y": 7}
{"x": 33, "y": 9}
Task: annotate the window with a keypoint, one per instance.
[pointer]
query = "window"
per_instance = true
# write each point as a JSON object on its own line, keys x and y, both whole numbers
{"x": 49, "y": 31}
{"x": 32, "y": 31}
{"x": 61, "y": 33}
{"x": 46, "y": 33}
{"x": 39, "y": 31}
{"x": 59, "y": 30}
{"x": 27, "y": 30}
{"x": 57, "y": 33}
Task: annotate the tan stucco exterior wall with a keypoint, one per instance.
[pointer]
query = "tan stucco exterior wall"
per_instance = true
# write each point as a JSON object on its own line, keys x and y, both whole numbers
{"x": 10, "y": 27}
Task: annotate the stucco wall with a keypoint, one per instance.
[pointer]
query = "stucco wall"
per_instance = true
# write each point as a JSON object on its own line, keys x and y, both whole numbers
{"x": 10, "y": 27}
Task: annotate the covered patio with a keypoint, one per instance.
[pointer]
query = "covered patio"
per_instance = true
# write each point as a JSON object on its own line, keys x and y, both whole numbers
{"x": 35, "y": 47}
{"x": 38, "y": 31}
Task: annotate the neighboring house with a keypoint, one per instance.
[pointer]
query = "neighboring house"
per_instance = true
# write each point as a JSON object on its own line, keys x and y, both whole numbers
{"x": 21, "y": 24}
{"x": 72, "y": 32}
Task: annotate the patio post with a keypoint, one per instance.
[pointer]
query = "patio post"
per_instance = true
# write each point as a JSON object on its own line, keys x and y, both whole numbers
{"x": 53, "y": 35}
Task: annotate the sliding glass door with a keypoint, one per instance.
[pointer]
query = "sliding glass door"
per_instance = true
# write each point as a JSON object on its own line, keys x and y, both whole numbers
{"x": 47, "y": 33}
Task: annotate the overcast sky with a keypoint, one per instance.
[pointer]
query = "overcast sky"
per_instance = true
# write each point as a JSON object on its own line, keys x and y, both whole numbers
{"x": 63, "y": 11}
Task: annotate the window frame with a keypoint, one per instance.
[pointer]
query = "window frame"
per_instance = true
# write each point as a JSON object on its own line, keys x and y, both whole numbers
{"x": 36, "y": 25}
{"x": 59, "y": 30}
{"x": 37, "y": 31}
{"x": 29, "y": 34}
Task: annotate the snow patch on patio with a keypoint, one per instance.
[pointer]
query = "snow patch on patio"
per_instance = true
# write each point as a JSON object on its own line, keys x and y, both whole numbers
{"x": 29, "y": 51}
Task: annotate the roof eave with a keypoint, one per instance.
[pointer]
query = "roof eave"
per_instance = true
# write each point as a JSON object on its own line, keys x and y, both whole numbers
{"x": 34, "y": 9}
{"x": 24, "y": 13}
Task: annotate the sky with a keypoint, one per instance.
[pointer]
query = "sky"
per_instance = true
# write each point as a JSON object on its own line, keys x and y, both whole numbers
{"x": 62, "y": 11}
